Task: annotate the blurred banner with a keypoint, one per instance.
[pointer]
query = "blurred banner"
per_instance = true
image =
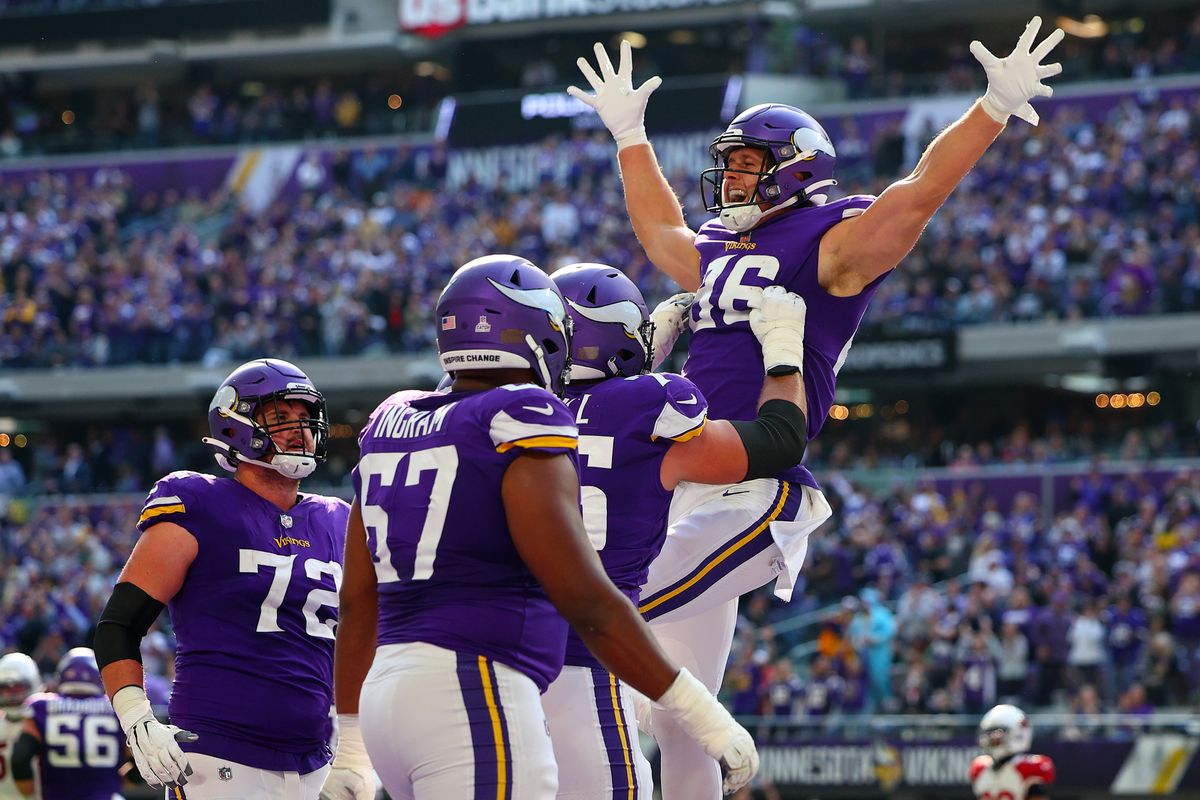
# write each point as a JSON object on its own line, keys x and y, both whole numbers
{"x": 438, "y": 17}
{"x": 1151, "y": 764}
{"x": 934, "y": 353}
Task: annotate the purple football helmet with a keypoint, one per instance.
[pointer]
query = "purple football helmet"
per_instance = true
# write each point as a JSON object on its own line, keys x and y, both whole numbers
{"x": 613, "y": 332}
{"x": 19, "y": 678}
{"x": 257, "y": 387}
{"x": 78, "y": 675}
{"x": 500, "y": 312}
{"x": 798, "y": 169}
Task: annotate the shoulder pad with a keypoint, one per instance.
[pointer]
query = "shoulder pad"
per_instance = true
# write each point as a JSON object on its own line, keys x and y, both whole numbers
{"x": 979, "y": 765}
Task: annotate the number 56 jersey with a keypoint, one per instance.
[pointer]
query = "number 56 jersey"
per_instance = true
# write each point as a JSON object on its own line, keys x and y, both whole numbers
{"x": 428, "y": 482}
{"x": 255, "y": 620}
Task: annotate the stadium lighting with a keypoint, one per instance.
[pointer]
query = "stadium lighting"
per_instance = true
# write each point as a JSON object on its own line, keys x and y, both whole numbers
{"x": 1090, "y": 27}
{"x": 636, "y": 40}
{"x": 4, "y": 440}
{"x": 1153, "y": 398}
{"x": 394, "y": 101}
{"x": 68, "y": 117}
{"x": 20, "y": 440}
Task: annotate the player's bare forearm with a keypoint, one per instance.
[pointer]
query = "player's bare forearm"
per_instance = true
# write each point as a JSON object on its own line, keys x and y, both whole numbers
{"x": 859, "y": 250}
{"x": 657, "y": 217}
{"x": 622, "y": 641}
{"x": 119, "y": 674}
{"x": 785, "y": 387}
{"x": 358, "y": 610}
{"x": 540, "y": 493}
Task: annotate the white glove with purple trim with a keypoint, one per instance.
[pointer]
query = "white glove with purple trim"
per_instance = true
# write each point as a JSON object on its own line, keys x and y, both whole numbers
{"x": 1015, "y": 80}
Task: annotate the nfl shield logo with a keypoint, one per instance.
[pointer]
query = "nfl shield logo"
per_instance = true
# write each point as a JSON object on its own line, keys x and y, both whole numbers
{"x": 483, "y": 326}
{"x": 225, "y": 773}
{"x": 285, "y": 520}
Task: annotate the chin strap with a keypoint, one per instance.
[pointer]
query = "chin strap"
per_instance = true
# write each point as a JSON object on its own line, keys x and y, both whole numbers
{"x": 295, "y": 467}
{"x": 539, "y": 355}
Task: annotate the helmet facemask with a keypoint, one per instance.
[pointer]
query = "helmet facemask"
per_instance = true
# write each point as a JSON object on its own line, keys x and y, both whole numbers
{"x": 306, "y": 438}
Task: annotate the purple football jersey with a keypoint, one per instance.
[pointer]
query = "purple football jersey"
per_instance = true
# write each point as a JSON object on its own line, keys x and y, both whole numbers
{"x": 82, "y": 747}
{"x": 626, "y": 427}
{"x": 255, "y": 620}
{"x": 428, "y": 481}
{"x": 725, "y": 359}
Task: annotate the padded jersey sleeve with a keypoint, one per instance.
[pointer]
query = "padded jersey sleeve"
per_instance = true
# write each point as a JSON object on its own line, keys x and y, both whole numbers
{"x": 168, "y": 501}
{"x": 528, "y": 418}
{"x": 683, "y": 412}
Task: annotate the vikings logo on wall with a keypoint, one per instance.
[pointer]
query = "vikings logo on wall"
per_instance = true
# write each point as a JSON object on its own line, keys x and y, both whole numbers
{"x": 889, "y": 768}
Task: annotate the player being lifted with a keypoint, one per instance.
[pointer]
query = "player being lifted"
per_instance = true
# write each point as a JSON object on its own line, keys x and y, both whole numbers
{"x": 465, "y": 552}
{"x": 773, "y": 169}
{"x": 73, "y": 735}
{"x": 1008, "y": 771}
{"x": 640, "y": 435}
{"x": 249, "y": 568}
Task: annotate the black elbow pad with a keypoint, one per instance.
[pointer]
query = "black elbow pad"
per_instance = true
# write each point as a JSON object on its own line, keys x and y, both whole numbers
{"x": 775, "y": 441}
{"x": 24, "y": 751}
{"x": 128, "y": 615}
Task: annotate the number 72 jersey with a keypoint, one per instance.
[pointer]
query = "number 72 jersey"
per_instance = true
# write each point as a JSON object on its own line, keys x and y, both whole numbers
{"x": 255, "y": 620}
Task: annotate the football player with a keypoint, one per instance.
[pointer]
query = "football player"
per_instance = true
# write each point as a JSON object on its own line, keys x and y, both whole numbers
{"x": 642, "y": 434}
{"x": 1008, "y": 770}
{"x": 19, "y": 678}
{"x": 73, "y": 735}
{"x": 467, "y": 558}
{"x": 249, "y": 568}
{"x": 773, "y": 169}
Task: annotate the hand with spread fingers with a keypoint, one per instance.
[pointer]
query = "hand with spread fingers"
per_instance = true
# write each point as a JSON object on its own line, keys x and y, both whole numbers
{"x": 1016, "y": 79}
{"x": 670, "y": 318}
{"x": 622, "y": 108}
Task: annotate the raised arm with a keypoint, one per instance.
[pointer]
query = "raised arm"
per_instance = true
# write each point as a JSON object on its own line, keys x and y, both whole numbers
{"x": 859, "y": 250}
{"x": 653, "y": 207}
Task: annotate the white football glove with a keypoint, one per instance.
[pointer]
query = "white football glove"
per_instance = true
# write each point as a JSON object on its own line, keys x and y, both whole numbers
{"x": 777, "y": 320}
{"x": 1017, "y": 79}
{"x": 643, "y": 711}
{"x": 670, "y": 318}
{"x": 351, "y": 776}
{"x": 622, "y": 108}
{"x": 154, "y": 745}
{"x": 707, "y": 721}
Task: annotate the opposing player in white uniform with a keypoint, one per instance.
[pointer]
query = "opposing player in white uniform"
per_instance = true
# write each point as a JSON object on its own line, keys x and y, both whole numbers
{"x": 773, "y": 169}
{"x": 1007, "y": 771}
{"x": 19, "y": 678}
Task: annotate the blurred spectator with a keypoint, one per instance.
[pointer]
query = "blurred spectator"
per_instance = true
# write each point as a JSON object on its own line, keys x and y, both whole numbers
{"x": 872, "y": 632}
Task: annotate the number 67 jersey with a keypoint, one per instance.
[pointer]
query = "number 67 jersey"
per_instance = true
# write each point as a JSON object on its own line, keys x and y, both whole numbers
{"x": 255, "y": 620}
{"x": 428, "y": 481}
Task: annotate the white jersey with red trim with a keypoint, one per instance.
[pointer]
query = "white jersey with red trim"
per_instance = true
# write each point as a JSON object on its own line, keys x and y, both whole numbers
{"x": 1012, "y": 778}
{"x": 11, "y": 724}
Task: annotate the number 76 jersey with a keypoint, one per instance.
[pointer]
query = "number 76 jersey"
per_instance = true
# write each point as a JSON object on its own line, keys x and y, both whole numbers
{"x": 429, "y": 484}
{"x": 724, "y": 358}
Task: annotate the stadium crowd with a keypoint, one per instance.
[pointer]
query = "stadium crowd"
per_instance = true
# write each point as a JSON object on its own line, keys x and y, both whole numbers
{"x": 952, "y": 602}
{"x": 202, "y": 111}
{"x": 947, "y": 598}
{"x": 1070, "y": 220}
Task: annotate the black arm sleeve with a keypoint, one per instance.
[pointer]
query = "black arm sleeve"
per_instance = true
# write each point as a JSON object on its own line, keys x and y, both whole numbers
{"x": 129, "y": 614}
{"x": 23, "y": 753}
{"x": 775, "y": 441}
{"x": 1037, "y": 791}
